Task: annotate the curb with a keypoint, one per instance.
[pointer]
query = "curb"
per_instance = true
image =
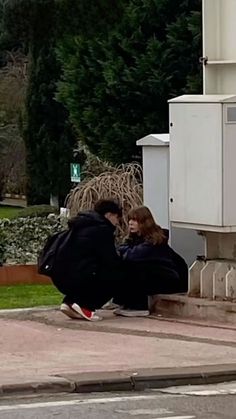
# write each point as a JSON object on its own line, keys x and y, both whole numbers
{"x": 156, "y": 378}
{"x": 61, "y": 386}
{"x": 136, "y": 382}
{"x": 37, "y": 309}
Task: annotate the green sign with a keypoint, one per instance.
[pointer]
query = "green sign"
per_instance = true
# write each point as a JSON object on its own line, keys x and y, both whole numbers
{"x": 75, "y": 172}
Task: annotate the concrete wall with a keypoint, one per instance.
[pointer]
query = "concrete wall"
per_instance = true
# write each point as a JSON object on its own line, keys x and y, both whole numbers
{"x": 187, "y": 243}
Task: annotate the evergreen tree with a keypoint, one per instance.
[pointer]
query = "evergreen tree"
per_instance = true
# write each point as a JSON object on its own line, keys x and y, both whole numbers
{"x": 48, "y": 135}
{"x": 116, "y": 84}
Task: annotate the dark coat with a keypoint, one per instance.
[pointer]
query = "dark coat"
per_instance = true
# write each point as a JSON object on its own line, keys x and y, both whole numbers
{"x": 159, "y": 264}
{"x": 92, "y": 249}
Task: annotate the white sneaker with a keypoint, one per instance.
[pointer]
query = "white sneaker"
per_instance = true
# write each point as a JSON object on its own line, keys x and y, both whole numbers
{"x": 110, "y": 306}
{"x": 132, "y": 313}
{"x": 67, "y": 310}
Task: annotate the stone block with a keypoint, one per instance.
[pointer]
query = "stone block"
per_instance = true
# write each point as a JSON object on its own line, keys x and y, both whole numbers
{"x": 231, "y": 283}
{"x": 219, "y": 280}
{"x": 206, "y": 279}
{"x": 194, "y": 278}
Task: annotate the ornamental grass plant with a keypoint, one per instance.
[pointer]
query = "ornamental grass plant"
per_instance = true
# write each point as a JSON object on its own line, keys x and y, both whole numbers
{"x": 123, "y": 183}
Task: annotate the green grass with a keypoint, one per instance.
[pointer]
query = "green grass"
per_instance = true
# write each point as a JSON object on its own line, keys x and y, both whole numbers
{"x": 21, "y": 296}
{"x": 8, "y": 212}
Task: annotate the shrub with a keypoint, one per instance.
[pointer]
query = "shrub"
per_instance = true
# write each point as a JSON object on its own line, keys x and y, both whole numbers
{"x": 2, "y": 247}
{"x": 21, "y": 239}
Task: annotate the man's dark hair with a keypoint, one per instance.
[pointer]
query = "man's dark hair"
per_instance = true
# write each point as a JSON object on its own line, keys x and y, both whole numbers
{"x": 103, "y": 206}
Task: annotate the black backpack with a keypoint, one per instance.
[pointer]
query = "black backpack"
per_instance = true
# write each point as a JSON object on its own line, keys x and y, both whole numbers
{"x": 52, "y": 256}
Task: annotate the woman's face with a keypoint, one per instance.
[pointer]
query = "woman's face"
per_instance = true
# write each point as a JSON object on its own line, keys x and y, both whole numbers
{"x": 133, "y": 226}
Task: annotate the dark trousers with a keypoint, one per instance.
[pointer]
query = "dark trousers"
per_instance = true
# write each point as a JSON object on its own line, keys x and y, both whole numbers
{"x": 129, "y": 286}
{"x": 145, "y": 279}
{"x": 92, "y": 292}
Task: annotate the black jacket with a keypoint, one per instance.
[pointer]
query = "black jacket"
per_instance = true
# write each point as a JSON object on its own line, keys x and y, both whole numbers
{"x": 92, "y": 249}
{"x": 153, "y": 259}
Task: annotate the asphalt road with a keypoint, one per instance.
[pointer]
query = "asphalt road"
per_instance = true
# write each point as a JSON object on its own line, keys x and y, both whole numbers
{"x": 209, "y": 402}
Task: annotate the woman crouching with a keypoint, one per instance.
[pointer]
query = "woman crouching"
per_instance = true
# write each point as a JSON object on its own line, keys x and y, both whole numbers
{"x": 151, "y": 266}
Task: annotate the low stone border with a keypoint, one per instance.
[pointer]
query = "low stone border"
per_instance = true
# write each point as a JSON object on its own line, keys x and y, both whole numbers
{"x": 183, "y": 306}
{"x": 14, "y": 196}
{"x": 21, "y": 274}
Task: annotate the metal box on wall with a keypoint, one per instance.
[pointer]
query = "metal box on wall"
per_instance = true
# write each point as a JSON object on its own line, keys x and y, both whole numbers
{"x": 203, "y": 162}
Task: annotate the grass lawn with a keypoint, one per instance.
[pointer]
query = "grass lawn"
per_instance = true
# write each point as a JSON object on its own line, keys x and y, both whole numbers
{"x": 20, "y": 296}
{"x": 8, "y": 212}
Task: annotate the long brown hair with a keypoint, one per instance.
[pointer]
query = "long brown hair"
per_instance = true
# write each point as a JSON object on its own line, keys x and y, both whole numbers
{"x": 149, "y": 230}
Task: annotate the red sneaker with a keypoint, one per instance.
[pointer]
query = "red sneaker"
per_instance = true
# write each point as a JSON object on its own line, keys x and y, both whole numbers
{"x": 85, "y": 313}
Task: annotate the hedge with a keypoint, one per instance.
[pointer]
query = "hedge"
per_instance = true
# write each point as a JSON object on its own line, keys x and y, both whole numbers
{"x": 22, "y": 238}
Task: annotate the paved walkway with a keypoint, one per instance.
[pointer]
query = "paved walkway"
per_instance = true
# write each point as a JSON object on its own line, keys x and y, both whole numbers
{"x": 45, "y": 345}
{"x": 14, "y": 202}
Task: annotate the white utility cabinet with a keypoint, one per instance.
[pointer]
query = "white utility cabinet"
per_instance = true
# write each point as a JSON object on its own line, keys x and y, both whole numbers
{"x": 203, "y": 162}
{"x": 155, "y": 151}
{"x": 156, "y": 174}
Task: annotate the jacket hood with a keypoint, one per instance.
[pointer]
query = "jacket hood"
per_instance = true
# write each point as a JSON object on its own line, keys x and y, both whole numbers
{"x": 89, "y": 219}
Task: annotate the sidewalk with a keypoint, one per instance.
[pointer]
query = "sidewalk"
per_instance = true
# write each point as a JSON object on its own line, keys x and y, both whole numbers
{"x": 42, "y": 350}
